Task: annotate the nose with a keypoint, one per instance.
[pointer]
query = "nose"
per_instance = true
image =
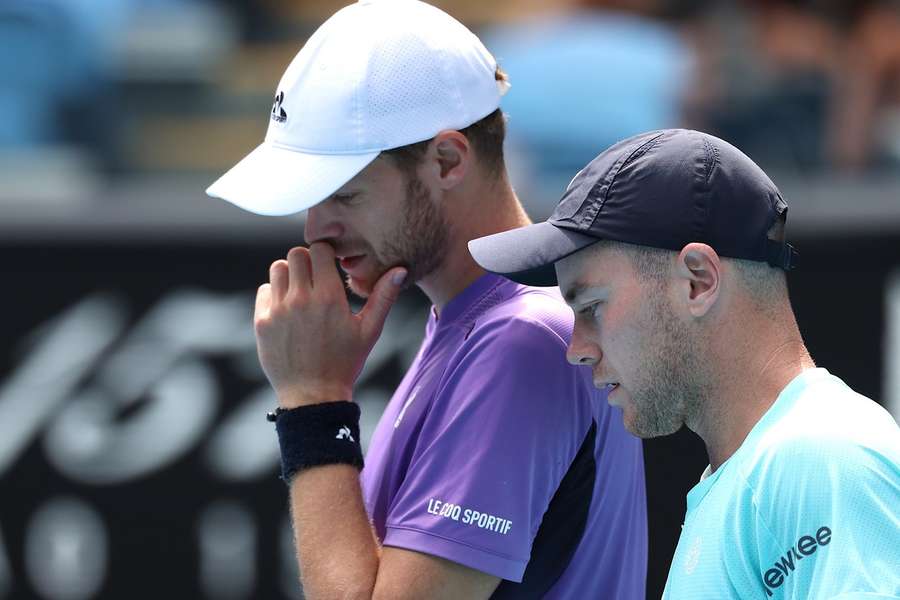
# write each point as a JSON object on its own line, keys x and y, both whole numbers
{"x": 582, "y": 350}
{"x": 322, "y": 224}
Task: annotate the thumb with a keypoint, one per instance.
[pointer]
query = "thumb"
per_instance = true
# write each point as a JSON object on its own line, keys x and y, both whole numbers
{"x": 381, "y": 300}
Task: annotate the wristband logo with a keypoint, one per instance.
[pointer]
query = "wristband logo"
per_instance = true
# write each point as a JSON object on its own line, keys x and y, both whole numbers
{"x": 344, "y": 433}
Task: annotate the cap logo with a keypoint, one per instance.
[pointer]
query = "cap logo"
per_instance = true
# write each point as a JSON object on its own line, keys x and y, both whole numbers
{"x": 278, "y": 114}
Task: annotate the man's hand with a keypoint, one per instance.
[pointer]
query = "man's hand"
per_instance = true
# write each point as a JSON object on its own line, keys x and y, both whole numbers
{"x": 311, "y": 345}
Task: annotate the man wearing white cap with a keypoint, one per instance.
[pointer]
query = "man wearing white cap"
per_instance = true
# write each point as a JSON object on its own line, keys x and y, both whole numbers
{"x": 496, "y": 470}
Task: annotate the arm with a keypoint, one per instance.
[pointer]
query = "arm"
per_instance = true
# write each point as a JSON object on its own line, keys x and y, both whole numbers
{"x": 831, "y": 509}
{"x": 337, "y": 552}
{"x": 340, "y": 557}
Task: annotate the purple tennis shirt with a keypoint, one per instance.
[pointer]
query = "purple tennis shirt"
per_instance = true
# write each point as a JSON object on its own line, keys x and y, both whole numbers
{"x": 497, "y": 454}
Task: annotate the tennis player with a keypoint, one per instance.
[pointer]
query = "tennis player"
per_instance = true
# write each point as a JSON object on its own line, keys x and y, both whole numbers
{"x": 497, "y": 470}
{"x": 670, "y": 249}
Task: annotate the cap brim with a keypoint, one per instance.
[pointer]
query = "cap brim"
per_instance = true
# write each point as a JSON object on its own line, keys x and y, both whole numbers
{"x": 276, "y": 181}
{"x": 528, "y": 254}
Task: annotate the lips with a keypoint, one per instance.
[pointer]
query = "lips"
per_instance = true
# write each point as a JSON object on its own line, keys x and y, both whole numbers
{"x": 609, "y": 386}
{"x": 348, "y": 262}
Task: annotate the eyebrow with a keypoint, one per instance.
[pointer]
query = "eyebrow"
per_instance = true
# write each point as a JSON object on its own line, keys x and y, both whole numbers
{"x": 575, "y": 296}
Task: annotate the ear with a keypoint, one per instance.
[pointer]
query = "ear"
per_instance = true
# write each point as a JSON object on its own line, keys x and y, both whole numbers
{"x": 452, "y": 158}
{"x": 700, "y": 269}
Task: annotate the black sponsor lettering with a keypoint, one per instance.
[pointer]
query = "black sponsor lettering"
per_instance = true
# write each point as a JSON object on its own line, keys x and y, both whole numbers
{"x": 806, "y": 545}
{"x": 774, "y": 578}
{"x": 784, "y": 565}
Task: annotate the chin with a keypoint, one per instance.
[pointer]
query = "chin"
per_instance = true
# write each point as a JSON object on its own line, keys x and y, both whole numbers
{"x": 648, "y": 428}
{"x": 630, "y": 424}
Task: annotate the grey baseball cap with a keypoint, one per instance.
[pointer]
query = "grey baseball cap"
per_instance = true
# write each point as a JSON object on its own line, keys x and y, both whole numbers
{"x": 663, "y": 189}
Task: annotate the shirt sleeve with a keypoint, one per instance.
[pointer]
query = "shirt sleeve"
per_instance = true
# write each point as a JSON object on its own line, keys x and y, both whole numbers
{"x": 507, "y": 421}
{"x": 832, "y": 513}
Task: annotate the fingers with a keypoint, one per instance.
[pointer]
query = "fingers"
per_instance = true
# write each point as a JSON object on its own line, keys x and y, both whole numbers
{"x": 300, "y": 271}
{"x": 263, "y": 301}
{"x": 305, "y": 270}
{"x": 262, "y": 311}
{"x": 325, "y": 275}
{"x": 279, "y": 280}
{"x": 381, "y": 300}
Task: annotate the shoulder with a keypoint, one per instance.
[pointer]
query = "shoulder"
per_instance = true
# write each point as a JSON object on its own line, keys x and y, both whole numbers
{"x": 529, "y": 316}
{"x": 528, "y": 331}
{"x": 831, "y": 442}
{"x": 830, "y": 423}
{"x": 516, "y": 349}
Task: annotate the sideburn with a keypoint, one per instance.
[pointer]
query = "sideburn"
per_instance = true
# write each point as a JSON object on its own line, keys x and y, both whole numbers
{"x": 423, "y": 234}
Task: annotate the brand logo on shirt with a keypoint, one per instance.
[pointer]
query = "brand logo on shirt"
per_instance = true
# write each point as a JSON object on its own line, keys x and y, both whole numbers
{"x": 344, "y": 433}
{"x": 406, "y": 404}
{"x": 467, "y": 516}
{"x": 693, "y": 556}
{"x": 785, "y": 565}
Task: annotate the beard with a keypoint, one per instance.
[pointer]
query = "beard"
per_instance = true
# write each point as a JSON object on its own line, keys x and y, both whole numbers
{"x": 419, "y": 243}
{"x": 671, "y": 386}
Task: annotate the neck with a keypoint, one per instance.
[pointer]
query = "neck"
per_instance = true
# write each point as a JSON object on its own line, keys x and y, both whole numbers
{"x": 478, "y": 209}
{"x": 752, "y": 373}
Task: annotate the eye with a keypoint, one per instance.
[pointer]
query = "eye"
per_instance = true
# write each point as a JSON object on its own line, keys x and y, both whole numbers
{"x": 346, "y": 198}
{"x": 591, "y": 309}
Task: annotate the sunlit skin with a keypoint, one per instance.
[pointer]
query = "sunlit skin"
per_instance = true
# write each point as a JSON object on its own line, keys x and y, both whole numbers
{"x": 385, "y": 217}
{"x": 626, "y": 333}
{"x": 380, "y": 219}
{"x": 388, "y": 229}
{"x": 690, "y": 349}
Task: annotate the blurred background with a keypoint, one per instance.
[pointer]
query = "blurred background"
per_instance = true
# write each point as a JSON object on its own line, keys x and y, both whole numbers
{"x": 135, "y": 458}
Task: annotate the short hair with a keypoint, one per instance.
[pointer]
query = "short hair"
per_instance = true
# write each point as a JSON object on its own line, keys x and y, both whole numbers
{"x": 766, "y": 285}
{"x": 650, "y": 263}
{"x": 486, "y": 136}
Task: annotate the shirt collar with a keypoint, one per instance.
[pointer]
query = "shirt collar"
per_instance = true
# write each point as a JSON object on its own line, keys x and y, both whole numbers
{"x": 471, "y": 302}
{"x": 782, "y": 405}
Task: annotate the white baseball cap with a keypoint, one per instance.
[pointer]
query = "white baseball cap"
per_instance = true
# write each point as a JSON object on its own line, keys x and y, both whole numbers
{"x": 379, "y": 74}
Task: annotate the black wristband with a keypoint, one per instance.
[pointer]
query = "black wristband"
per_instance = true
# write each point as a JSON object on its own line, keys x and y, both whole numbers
{"x": 318, "y": 434}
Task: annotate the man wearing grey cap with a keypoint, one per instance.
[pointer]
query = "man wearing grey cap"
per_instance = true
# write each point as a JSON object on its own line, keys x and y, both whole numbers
{"x": 496, "y": 470}
{"x": 670, "y": 249}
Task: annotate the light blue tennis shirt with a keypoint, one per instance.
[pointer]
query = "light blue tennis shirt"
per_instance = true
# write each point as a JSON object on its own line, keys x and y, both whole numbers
{"x": 808, "y": 507}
